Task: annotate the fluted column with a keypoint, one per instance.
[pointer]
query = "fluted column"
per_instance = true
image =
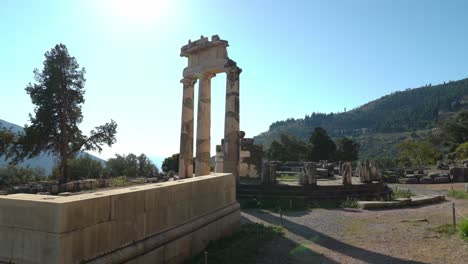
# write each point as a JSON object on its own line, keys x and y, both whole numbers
{"x": 231, "y": 121}
{"x": 186, "y": 131}
{"x": 202, "y": 166}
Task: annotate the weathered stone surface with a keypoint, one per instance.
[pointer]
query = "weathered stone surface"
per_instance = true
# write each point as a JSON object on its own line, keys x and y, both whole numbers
{"x": 269, "y": 173}
{"x": 53, "y": 229}
{"x": 186, "y": 134}
{"x": 441, "y": 180}
{"x": 411, "y": 181}
{"x": 310, "y": 175}
{"x": 347, "y": 173}
{"x": 426, "y": 180}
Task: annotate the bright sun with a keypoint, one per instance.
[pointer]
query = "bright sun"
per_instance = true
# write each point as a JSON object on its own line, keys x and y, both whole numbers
{"x": 137, "y": 11}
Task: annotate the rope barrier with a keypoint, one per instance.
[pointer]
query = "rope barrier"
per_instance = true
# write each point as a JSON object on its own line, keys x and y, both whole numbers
{"x": 461, "y": 214}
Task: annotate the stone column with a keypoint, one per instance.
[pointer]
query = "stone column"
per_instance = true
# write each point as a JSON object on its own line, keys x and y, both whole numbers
{"x": 186, "y": 131}
{"x": 231, "y": 121}
{"x": 202, "y": 166}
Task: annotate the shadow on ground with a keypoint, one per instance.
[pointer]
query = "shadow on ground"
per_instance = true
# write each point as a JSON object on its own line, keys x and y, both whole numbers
{"x": 302, "y": 254}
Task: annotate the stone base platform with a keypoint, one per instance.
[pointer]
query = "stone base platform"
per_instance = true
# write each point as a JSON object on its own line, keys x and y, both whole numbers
{"x": 413, "y": 201}
{"x": 323, "y": 191}
{"x": 154, "y": 223}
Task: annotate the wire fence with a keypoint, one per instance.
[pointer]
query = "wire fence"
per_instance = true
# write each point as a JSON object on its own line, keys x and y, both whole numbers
{"x": 455, "y": 211}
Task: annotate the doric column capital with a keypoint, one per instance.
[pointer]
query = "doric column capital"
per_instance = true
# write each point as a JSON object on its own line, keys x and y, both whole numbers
{"x": 207, "y": 75}
{"x": 188, "y": 81}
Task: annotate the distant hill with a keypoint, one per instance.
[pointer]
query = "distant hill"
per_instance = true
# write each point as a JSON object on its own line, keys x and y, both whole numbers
{"x": 381, "y": 124}
{"x": 44, "y": 160}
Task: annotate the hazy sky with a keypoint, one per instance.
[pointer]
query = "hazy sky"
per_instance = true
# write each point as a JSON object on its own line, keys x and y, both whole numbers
{"x": 297, "y": 57}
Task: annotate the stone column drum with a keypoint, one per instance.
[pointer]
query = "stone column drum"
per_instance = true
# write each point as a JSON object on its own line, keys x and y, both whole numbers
{"x": 231, "y": 121}
{"x": 186, "y": 134}
{"x": 203, "y": 126}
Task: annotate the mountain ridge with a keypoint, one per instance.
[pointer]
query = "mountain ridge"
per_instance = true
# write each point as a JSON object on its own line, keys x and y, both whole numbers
{"x": 385, "y": 122}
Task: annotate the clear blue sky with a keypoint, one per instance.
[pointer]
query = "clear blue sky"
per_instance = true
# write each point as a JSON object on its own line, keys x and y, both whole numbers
{"x": 297, "y": 57}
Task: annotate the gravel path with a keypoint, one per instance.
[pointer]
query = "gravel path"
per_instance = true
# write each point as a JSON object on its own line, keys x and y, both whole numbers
{"x": 360, "y": 236}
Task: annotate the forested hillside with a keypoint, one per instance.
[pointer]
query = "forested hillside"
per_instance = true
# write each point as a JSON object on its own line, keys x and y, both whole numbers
{"x": 381, "y": 124}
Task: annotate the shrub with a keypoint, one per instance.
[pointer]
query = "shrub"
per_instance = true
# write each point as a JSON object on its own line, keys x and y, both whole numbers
{"x": 463, "y": 230}
{"x": 349, "y": 203}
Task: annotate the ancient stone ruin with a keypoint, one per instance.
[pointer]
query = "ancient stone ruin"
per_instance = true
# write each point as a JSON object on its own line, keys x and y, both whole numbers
{"x": 206, "y": 59}
{"x": 250, "y": 157}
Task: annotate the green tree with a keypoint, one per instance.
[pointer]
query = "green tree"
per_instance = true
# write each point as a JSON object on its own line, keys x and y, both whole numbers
{"x": 83, "y": 167}
{"x": 418, "y": 153}
{"x": 289, "y": 148}
{"x": 116, "y": 166}
{"x": 462, "y": 151}
{"x": 171, "y": 163}
{"x": 14, "y": 175}
{"x": 58, "y": 95}
{"x": 347, "y": 149}
{"x": 322, "y": 146}
{"x": 146, "y": 167}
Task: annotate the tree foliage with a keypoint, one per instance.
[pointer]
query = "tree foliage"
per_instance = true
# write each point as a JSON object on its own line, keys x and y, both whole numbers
{"x": 289, "y": 148}
{"x": 322, "y": 146}
{"x": 131, "y": 166}
{"x": 58, "y": 95}
{"x": 418, "y": 153}
{"x": 13, "y": 175}
{"x": 171, "y": 163}
{"x": 462, "y": 151}
{"x": 347, "y": 149}
{"x": 83, "y": 167}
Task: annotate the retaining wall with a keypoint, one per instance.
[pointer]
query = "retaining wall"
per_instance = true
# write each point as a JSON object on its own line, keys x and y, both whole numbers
{"x": 155, "y": 223}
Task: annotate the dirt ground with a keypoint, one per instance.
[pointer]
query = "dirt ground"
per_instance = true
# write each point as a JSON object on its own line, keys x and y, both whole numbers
{"x": 360, "y": 236}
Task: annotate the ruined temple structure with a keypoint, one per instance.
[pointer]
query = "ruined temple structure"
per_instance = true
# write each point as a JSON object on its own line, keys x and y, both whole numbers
{"x": 250, "y": 157}
{"x": 206, "y": 58}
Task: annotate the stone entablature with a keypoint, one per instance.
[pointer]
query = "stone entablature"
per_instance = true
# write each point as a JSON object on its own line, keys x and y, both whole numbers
{"x": 166, "y": 222}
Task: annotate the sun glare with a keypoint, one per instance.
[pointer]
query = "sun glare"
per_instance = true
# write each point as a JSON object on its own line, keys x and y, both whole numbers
{"x": 137, "y": 11}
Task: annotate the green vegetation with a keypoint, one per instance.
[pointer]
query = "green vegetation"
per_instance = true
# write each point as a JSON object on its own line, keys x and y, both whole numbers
{"x": 418, "y": 153}
{"x": 379, "y": 126}
{"x": 458, "y": 194}
{"x": 171, "y": 163}
{"x": 57, "y": 95}
{"x": 463, "y": 230}
{"x": 462, "y": 151}
{"x": 13, "y": 175}
{"x": 241, "y": 247}
{"x": 445, "y": 229}
{"x": 124, "y": 181}
{"x": 288, "y": 177}
{"x": 81, "y": 168}
{"x": 349, "y": 203}
{"x": 319, "y": 147}
{"x": 401, "y": 193}
{"x": 289, "y": 148}
{"x": 347, "y": 149}
{"x": 131, "y": 166}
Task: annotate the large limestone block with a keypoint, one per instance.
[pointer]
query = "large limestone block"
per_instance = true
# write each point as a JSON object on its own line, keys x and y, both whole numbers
{"x": 154, "y": 257}
{"x": 128, "y": 203}
{"x": 85, "y": 211}
{"x": 41, "y": 213}
{"x": 29, "y": 246}
{"x": 178, "y": 250}
{"x": 203, "y": 236}
{"x": 156, "y": 221}
{"x": 179, "y": 213}
{"x": 157, "y": 198}
{"x": 126, "y": 231}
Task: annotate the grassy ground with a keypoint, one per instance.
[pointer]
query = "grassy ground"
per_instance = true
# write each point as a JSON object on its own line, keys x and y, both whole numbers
{"x": 240, "y": 247}
{"x": 294, "y": 204}
{"x": 458, "y": 194}
{"x": 402, "y": 193}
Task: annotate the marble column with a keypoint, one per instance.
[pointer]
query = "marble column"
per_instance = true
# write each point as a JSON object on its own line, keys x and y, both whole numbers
{"x": 202, "y": 166}
{"x": 186, "y": 131}
{"x": 231, "y": 121}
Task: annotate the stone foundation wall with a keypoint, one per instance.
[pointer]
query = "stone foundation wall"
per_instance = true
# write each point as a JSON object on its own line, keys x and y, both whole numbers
{"x": 163, "y": 222}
